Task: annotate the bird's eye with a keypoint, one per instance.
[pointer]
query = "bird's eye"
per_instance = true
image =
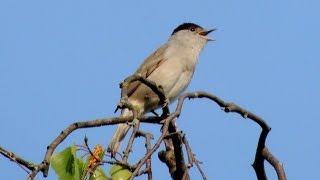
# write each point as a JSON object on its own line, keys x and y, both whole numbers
{"x": 192, "y": 29}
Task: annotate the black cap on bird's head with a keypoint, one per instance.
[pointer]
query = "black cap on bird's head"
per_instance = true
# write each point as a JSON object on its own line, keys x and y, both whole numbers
{"x": 186, "y": 26}
{"x": 193, "y": 28}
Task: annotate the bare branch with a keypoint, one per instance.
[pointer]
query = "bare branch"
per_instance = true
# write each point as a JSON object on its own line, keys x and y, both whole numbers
{"x": 44, "y": 166}
{"x": 148, "y": 169}
{"x": 275, "y": 163}
{"x": 231, "y": 107}
{"x": 155, "y": 147}
{"x": 173, "y": 156}
{"x": 132, "y": 137}
{"x": 21, "y": 162}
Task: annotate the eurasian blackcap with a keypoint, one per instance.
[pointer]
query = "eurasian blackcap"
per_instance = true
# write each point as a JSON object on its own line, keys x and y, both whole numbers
{"x": 171, "y": 66}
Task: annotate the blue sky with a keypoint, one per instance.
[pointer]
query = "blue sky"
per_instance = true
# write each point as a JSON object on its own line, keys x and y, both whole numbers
{"x": 62, "y": 61}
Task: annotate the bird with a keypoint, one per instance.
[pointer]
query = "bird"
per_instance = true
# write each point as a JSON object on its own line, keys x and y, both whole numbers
{"x": 171, "y": 66}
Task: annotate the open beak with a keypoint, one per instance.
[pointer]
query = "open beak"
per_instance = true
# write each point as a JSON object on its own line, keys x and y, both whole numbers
{"x": 206, "y": 32}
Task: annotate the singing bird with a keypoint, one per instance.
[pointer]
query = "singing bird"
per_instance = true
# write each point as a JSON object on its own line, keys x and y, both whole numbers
{"x": 171, "y": 66}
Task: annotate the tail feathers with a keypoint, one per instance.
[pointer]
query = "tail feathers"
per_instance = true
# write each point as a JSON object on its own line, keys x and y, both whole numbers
{"x": 119, "y": 135}
{"x": 117, "y": 138}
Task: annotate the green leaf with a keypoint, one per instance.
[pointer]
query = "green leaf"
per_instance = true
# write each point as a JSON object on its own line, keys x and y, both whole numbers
{"x": 81, "y": 165}
{"x": 118, "y": 172}
{"x": 66, "y": 165}
{"x": 99, "y": 174}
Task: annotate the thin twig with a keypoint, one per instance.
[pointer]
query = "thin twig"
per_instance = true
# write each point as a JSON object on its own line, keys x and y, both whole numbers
{"x": 191, "y": 157}
{"x": 125, "y": 165}
{"x": 148, "y": 168}
{"x": 148, "y": 164}
{"x": 200, "y": 169}
{"x": 131, "y": 140}
{"x": 20, "y": 161}
{"x": 189, "y": 152}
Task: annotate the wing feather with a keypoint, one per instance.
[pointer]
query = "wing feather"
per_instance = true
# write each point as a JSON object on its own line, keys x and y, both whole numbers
{"x": 147, "y": 67}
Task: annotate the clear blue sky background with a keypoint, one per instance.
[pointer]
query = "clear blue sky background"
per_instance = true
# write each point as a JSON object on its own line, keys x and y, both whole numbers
{"x": 62, "y": 61}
